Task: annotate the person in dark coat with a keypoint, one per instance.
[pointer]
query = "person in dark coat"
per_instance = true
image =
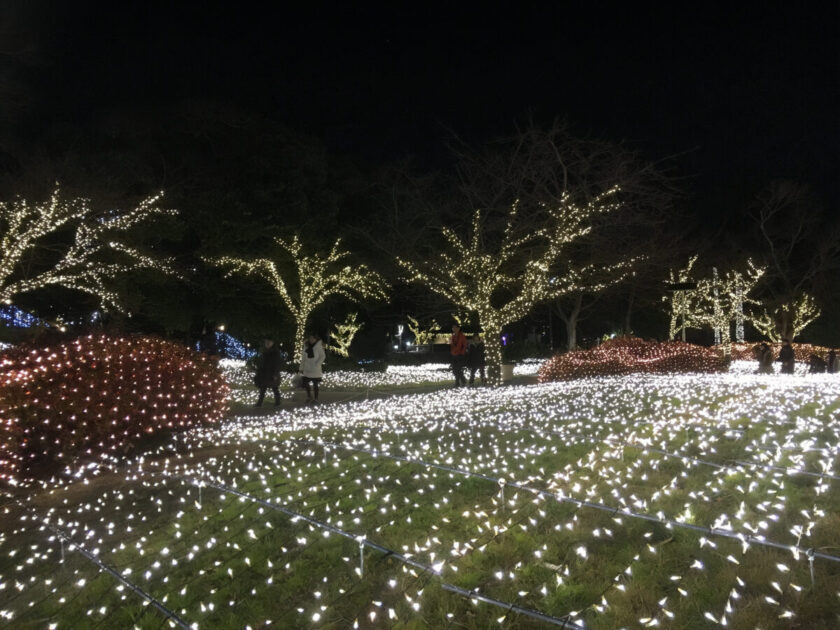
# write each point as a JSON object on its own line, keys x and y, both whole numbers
{"x": 475, "y": 358}
{"x": 764, "y": 354}
{"x": 787, "y": 358}
{"x": 268, "y": 372}
{"x": 458, "y": 352}
{"x": 832, "y": 363}
{"x": 208, "y": 343}
{"x": 816, "y": 364}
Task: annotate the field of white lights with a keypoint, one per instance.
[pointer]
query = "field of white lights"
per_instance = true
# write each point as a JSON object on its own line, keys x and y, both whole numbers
{"x": 627, "y": 502}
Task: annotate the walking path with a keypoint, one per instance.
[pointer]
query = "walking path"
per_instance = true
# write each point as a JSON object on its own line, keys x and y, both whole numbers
{"x": 333, "y": 396}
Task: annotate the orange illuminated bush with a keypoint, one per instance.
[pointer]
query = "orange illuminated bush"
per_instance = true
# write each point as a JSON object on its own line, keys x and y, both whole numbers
{"x": 628, "y": 355}
{"x": 99, "y": 395}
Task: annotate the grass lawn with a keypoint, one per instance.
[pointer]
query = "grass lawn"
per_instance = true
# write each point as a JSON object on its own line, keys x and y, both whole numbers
{"x": 587, "y": 502}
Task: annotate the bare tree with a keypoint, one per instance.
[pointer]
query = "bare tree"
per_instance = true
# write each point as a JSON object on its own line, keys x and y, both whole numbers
{"x": 801, "y": 250}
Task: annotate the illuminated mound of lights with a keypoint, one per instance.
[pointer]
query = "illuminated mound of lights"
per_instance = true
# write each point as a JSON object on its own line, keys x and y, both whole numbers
{"x": 100, "y": 394}
{"x": 629, "y": 355}
{"x": 802, "y": 351}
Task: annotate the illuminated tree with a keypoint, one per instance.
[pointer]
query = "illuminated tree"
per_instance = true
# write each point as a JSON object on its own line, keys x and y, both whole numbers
{"x": 683, "y": 300}
{"x": 720, "y": 301}
{"x": 537, "y": 165}
{"x": 422, "y": 336}
{"x": 501, "y": 278}
{"x": 790, "y": 318}
{"x": 317, "y": 277}
{"x": 343, "y": 335}
{"x": 33, "y": 233}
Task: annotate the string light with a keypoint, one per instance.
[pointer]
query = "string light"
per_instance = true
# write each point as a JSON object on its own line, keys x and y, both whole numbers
{"x": 14, "y": 317}
{"x": 629, "y": 355}
{"x": 423, "y": 335}
{"x": 799, "y": 314}
{"x": 98, "y": 395}
{"x": 472, "y": 275}
{"x": 682, "y": 300}
{"x": 94, "y": 256}
{"x": 715, "y": 302}
{"x": 607, "y": 481}
{"x": 343, "y": 334}
{"x": 318, "y": 278}
{"x": 228, "y": 346}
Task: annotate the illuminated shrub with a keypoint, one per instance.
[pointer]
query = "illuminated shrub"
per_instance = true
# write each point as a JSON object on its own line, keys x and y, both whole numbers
{"x": 628, "y": 355}
{"x": 99, "y": 395}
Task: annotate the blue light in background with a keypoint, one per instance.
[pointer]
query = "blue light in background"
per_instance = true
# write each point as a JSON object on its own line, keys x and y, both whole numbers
{"x": 227, "y": 346}
{"x": 14, "y": 317}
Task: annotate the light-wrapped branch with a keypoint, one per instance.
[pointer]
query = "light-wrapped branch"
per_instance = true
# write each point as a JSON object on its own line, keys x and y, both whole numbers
{"x": 95, "y": 255}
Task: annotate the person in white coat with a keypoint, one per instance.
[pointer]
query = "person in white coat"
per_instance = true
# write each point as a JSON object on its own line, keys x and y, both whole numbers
{"x": 312, "y": 358}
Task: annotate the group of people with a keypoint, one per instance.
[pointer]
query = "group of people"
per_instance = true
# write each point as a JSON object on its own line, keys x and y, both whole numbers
{"x": 270, "y": 365}
{"x": 466, "y": 355}
{"x": 787, "y": 357}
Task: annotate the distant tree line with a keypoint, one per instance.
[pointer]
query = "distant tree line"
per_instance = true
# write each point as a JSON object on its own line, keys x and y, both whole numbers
{"x": 545, "y": 228}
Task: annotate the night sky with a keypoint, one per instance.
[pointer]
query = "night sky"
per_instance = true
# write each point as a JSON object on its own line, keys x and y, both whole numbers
{"x": 747, "y": 92}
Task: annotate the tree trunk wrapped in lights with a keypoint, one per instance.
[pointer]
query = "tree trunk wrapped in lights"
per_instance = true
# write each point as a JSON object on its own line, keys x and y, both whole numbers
{"x": 343, "y": 334}
{"x": 503, "y": 283}
{"x": 721, "y": 299}
{"x": 86, "y": 264}
{"x": 787, "y": 321}
{"x": 683, "y": 301}
{"x": 318, "y": 277}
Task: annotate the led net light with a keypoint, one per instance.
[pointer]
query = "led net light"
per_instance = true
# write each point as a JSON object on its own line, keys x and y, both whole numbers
{"x": 627, "y": 355}
{"x": 717, "y": 452}
{"x": 98, "y": 395}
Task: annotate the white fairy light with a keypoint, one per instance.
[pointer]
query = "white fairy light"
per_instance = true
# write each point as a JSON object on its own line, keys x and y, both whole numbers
{"x": 716, "y": 302}
{"x": 471, "y": 275}
{"x": 341, "y": 337}
{"x": 317, "y": 277}
{"x": 94, "y": 256}
{"x": 632, "y": 444}
{"x": 802, "y": 312}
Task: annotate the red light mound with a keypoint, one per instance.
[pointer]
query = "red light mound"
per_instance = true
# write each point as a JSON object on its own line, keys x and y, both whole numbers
{"x": 630, "y": 355}
{"x": 99, "y": 395}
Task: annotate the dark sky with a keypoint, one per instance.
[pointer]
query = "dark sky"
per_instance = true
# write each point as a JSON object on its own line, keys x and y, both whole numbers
{"x": 749, "y": 89}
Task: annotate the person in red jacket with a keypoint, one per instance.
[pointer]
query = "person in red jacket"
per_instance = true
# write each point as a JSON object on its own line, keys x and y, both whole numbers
{"x": 458, "y": 350}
